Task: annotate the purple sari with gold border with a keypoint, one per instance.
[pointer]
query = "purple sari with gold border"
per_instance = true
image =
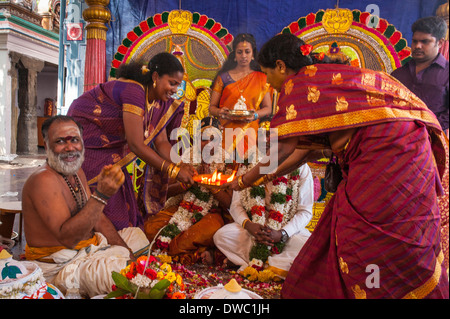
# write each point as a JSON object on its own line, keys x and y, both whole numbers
{"x": 100, "y": 112}
{"x": 379, "y": 236}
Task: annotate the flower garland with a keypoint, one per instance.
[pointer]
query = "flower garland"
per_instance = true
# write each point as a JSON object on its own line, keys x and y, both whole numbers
{"x": 192, "y": 206}
{"x": 274, "y": 214}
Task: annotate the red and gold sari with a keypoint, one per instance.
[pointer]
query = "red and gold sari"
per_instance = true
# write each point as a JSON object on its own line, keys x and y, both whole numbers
{"x": 380, "y": 234}
{"x": 253, "y": 88}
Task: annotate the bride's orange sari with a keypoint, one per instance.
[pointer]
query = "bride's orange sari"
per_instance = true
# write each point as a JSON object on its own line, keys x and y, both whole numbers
{"x": 252, "y": 88}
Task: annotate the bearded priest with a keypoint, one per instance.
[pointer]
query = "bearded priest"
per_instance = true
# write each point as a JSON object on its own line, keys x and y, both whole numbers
{"x": 68, "y": 236}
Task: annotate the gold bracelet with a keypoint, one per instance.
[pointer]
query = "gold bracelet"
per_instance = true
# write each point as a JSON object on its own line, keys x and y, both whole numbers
{"x": 162, "y": 166}
{"x": 241, "y": 182}
{"x": 245, "y": 222}
{"x": 183, "y": 186}
{"x": 99, "y": 199}
{"x": 170, "y": 168}
{"x": 174, "y": 172}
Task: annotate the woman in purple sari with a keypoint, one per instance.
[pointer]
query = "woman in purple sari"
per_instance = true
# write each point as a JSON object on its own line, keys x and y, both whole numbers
{"x": 132, "y": 117}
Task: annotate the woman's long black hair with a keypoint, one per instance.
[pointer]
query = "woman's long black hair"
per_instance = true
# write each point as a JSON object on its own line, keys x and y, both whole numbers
{"x": 230, "y": 62}
{"x": 162, "y": 63}
{"x": 286, "y": 47}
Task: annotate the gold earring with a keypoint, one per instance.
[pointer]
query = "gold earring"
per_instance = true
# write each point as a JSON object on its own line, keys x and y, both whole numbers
{"x": 154, "y": 84}
{"x": 282, "y": 71}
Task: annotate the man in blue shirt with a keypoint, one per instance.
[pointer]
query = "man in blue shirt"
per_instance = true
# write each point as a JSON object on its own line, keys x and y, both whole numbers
{"x": 427, "y": 73}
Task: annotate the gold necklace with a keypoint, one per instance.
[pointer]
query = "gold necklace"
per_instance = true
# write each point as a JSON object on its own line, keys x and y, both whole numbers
{"x": 148, "y": 107}
{"x": 246, "y": 82}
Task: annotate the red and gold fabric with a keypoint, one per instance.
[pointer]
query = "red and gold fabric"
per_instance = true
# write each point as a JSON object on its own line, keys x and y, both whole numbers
{"x": 379, "y": 235}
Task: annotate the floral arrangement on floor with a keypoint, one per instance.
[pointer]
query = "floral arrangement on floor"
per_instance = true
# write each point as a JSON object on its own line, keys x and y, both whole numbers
{"x": 274, "y": 214}
{"x": 147, "y": 278}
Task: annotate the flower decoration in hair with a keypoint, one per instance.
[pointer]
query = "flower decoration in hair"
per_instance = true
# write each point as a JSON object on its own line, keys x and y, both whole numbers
{"x": 144, "y": 69}
{"x": 306, "y": 49}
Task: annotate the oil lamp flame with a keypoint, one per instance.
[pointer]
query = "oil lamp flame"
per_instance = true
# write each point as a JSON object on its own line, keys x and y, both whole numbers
{"x": 216, "y": 178}
{"x": 230, "y": 179}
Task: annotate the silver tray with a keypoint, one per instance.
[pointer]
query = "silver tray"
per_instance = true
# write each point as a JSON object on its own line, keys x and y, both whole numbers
{"x": 241, "y": 114}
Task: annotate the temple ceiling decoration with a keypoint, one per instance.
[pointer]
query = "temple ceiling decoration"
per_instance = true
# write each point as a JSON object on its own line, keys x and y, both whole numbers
{"x": 199, "y": 42}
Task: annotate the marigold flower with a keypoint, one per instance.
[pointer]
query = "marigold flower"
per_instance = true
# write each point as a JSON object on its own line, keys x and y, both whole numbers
{"x": 171, "y": 277}
{"x": 126, "y": 270}
{"x": 179, "y": 280}
{"x": 166, "y": 267}
{"x": 165, "y": 259}
{"x": 141, "y": 260}
{"x": 266, "y": 275}
{"x": 178, "y": 295}
{"x": 250, "y": 273}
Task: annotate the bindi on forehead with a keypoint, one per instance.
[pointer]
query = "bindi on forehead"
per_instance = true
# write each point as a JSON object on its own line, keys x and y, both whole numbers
{"x": 243, "y": 45}
{"x": 64, "y": 131}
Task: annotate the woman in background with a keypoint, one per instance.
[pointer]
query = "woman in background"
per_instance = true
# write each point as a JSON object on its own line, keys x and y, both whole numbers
{"x": 240, "y": 85}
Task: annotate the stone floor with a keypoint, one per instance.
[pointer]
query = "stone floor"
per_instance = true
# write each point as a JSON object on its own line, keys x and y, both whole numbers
{"x": 13, "y": 174}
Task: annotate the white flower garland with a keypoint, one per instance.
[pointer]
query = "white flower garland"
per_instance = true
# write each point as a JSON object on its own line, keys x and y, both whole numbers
{"x": 276, "y": 211}
{"x": 287, "y": 209}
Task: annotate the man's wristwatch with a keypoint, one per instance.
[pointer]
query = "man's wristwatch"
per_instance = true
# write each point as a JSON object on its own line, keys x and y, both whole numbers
{"x": 284, "y": 236}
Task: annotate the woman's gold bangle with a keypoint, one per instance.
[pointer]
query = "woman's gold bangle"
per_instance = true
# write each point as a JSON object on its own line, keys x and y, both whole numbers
{"x": 241, "y": 182}
{"x": 174, "y": 172}
{"x": 170, "y": 169}
{"x": 162, "y": 166}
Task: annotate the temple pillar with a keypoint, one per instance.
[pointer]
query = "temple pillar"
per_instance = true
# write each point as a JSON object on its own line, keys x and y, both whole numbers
{"x": 28, "y": 69}
{"x": 15, "y": 58}
{"x": 96, "y": 16}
